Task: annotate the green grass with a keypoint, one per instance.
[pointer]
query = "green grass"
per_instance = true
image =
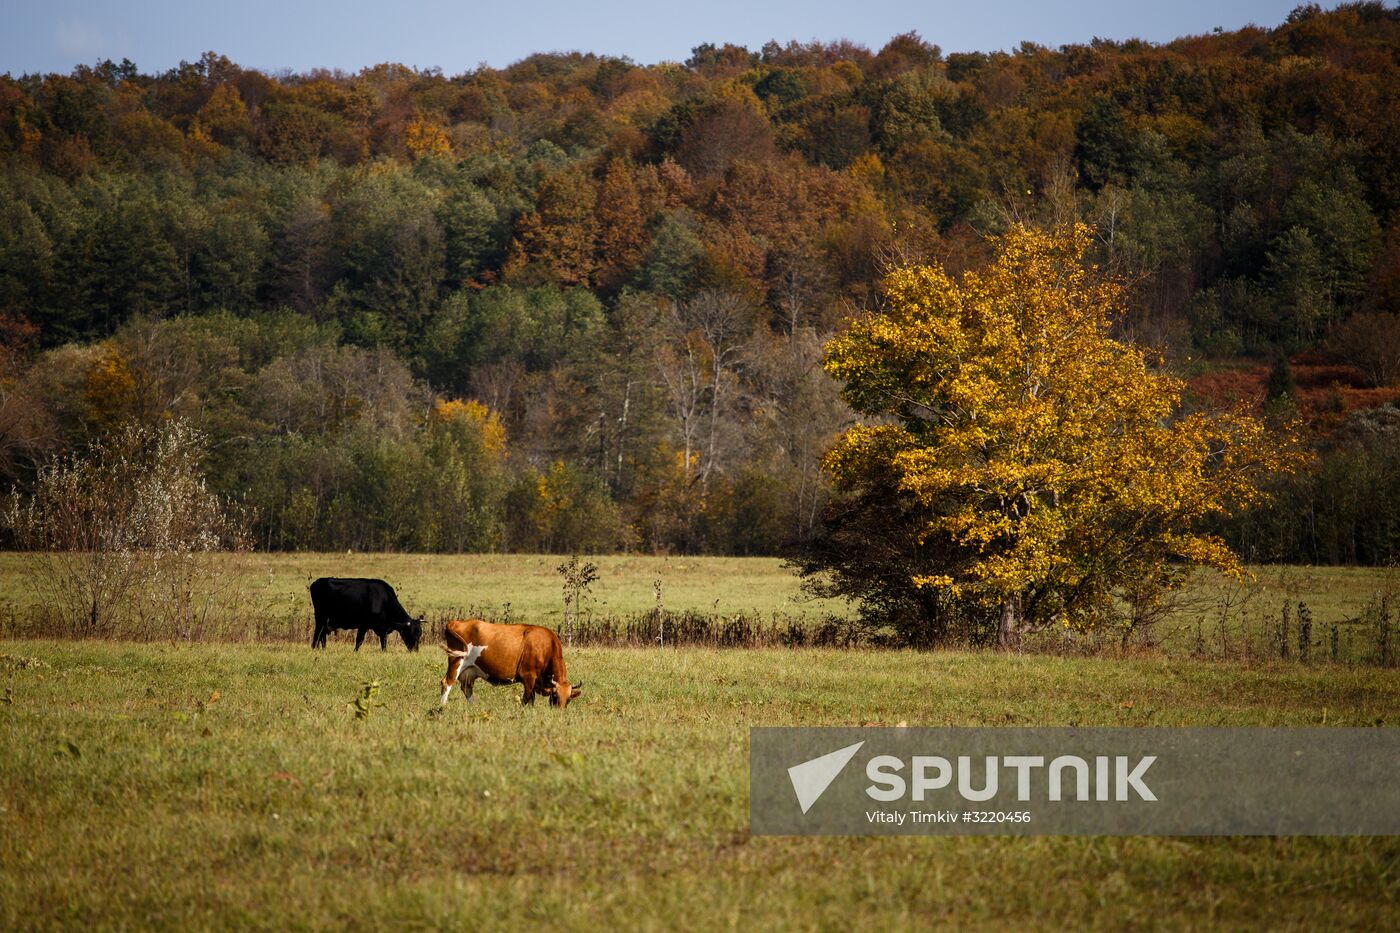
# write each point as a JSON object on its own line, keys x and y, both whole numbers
{"x": 130, "y": 797}
{"x": 277, "y": 606}
{"x": 528, "y": 583}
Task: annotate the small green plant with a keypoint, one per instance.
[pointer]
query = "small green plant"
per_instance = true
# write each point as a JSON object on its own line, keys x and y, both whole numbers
{"x": 578, "y": 579}
{"x": 364, "y": 703}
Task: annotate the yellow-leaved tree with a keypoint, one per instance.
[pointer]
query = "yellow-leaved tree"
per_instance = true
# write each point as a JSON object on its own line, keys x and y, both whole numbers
{"x": 1055, "y": 476}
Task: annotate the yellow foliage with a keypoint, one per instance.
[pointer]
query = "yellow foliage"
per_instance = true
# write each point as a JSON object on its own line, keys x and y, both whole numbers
{"x": 637, "y": 108}
{"x": 202, "y": 142}
{"x": 554, "y": 497}
{"x": 486, "y": 422}
{"x": 849, "y": 72}
{"x": 223, "y": 117}
{"x": 868, "y": 170}
{"x": 738, "y": 91}
{"x": 424, "y": 138}
{"x": 685, "y": 464}
{"x": 1054, "y": 457}
{"x": 109, "y": 389}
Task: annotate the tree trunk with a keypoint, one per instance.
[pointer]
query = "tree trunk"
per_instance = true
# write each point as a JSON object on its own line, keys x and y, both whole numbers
{"x": 1009, "y": 631}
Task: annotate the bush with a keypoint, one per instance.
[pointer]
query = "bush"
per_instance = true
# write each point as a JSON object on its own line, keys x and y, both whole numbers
{"x": 121, "y": 538}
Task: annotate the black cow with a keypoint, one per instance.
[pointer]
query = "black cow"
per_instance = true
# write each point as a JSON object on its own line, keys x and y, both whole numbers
{"x": 363, "y": 605}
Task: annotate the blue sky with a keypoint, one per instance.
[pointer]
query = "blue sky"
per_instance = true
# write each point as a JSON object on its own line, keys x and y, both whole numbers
{"x": 350, "y": 34}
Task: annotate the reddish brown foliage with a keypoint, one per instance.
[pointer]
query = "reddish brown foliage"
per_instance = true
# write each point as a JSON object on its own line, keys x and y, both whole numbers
{"x": 1326, "y": 388}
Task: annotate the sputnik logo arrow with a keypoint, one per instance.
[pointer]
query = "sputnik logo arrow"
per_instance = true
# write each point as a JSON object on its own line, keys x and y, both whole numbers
{"x": 811, "y": 778}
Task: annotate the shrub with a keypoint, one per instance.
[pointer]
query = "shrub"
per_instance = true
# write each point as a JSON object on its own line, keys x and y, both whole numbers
{"x": 121, "y": 537}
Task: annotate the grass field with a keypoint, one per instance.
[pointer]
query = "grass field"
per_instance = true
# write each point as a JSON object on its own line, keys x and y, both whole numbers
{"x": 528, "y": 583}
{"x": 191, "y": 786}
{"x": 276, "y": 605}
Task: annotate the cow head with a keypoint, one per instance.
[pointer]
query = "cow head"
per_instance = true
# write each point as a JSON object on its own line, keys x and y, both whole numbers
{"x": 561, "y": 692}
{"x": 412, "y": 632}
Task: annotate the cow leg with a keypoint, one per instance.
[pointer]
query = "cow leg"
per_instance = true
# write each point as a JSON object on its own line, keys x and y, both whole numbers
{"x": 528, "y": 680}
{"x": 467, "y": 678}
{"x": 359, "y": 638}
{"x": 383, "y": 640}
{"x": 453, "y": 670}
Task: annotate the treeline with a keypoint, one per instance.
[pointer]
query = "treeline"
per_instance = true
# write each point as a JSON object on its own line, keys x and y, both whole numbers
{"x": 1342, "y": 510}
{"x": 336, "y": 446}
{"x": 578, "y": 303}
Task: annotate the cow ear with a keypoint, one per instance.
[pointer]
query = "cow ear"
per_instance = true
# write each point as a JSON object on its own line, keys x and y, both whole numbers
{"x": 578, "y": 688}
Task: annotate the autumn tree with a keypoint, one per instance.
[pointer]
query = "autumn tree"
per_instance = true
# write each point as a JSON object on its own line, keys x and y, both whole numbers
{"x": 621, "y": 226}
{"x": 1057, "y": 480}
{"x": 224, "y": 118}
{"x": 557, "y": 237}
{"x": 467, "y": 451}
{"x": 27, "y": 428}
{"x": 728, "y": 130}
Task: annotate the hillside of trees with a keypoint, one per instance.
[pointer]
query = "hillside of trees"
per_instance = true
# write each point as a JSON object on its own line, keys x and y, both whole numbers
{"x": 579, "y": 303}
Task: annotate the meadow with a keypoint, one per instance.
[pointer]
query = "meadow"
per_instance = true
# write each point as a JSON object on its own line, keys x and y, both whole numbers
{"x": 1211, "y": 617}
{"x": 191, "y": 786}
{"x": 230, "y": 783}
{"x": 527, "y": 586}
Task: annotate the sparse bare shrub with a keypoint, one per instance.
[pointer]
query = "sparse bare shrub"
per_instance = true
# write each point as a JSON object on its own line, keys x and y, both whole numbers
{"x": 1376, "y": 616}
{"x": 1304, "y": 632}
{"x": 121, "y": 537}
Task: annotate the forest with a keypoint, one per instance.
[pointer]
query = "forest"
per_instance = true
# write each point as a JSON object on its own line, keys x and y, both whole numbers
{"x": 580, "y": 303}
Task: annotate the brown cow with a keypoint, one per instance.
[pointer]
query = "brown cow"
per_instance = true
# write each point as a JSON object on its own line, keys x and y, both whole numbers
{"x": 507, "y": 654}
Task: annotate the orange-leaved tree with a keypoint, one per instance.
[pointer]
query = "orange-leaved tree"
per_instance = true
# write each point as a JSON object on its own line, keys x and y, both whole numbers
{"x": 1052, "y": 468}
